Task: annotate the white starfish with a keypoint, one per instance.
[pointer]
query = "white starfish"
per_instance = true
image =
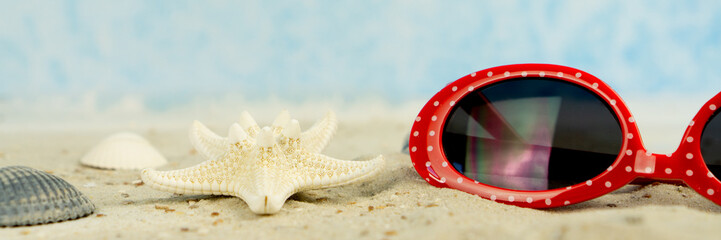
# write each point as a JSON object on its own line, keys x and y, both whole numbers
{"x": 263, "y": 166}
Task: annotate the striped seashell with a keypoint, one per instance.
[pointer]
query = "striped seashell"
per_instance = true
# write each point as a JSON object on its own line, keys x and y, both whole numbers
{"x": 124, "y": 150}
{"x": 29, "y": 197}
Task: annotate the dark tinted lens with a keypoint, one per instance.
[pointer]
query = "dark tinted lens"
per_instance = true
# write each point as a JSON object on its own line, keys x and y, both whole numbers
{"x": 711, "y": 144}
{"x": 532, "y": 134}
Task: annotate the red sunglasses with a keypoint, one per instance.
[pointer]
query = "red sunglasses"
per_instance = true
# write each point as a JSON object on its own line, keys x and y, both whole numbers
{"x": 541, "y": 136}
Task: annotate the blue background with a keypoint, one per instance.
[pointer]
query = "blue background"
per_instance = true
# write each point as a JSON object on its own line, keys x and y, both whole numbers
{"x": 170, "y": 53}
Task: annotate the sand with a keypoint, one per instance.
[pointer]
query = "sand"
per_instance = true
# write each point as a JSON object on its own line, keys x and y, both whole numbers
{"x": 397, "y": 204}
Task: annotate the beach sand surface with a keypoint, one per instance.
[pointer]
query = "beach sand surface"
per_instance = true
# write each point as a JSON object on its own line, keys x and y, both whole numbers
{"x": 396, "y": 204}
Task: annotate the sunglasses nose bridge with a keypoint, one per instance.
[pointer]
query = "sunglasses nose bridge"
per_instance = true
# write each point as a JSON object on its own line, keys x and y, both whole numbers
{"x": 655, "y": 166}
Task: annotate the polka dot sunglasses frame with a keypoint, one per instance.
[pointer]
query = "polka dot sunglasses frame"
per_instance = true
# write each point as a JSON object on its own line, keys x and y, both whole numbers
{"x": 633, "y": 161}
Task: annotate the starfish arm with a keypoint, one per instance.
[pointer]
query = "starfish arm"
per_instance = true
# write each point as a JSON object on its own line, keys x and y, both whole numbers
{"x": 210, "y": 177}
{"x": 248, "y": 123}
{"x": 280, "y": 121}
{"x": 206, "y": 142}
{"x": 323, "y": 172}
{"x": 318, "y": 136}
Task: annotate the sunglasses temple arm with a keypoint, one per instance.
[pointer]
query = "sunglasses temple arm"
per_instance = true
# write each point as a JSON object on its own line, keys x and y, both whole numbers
{"x": 406, "y": 142}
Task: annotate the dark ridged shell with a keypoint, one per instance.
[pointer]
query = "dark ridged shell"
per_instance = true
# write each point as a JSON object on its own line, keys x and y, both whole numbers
{"x": 29, "y": 196}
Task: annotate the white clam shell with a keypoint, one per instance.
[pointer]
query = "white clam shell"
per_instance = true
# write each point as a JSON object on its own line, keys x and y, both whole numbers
{"x": 124, "y": 150}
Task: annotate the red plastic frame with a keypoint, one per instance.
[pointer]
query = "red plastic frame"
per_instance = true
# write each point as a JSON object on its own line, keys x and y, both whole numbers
{"x": 686, "y": 164}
